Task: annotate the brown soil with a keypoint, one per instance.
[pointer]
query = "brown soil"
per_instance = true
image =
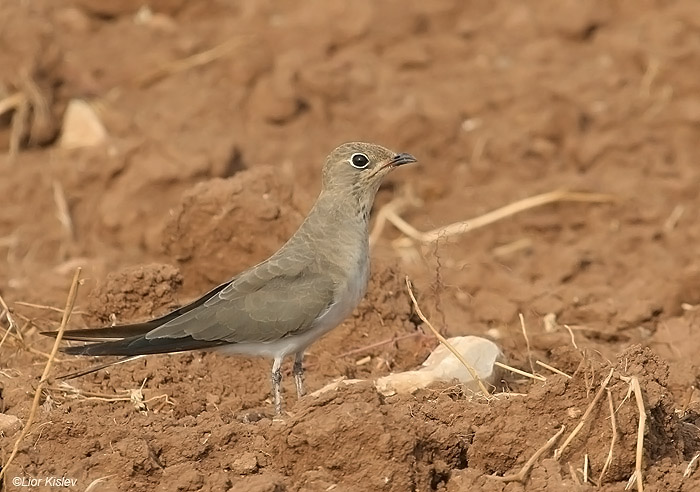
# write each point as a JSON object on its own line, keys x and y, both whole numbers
{"x": 208, "y": 170}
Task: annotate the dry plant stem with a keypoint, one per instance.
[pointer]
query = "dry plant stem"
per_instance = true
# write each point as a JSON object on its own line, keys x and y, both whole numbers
{"x": 496, "y": 215}
{"x": 23, "y": 346}
{"x": 634, "y": 382}
{"x": 12, "y": 102}
{"x": 553, "y": 369}
{"x": 587, "y": 413}
{"x": 507, "y": 249}
{"x": 94, "y": 484}
{"x": 527, "y": 341}
{"x": 379, "y": 344}
{"x": 522, "y": 474}
{"x": 573, "y": 474}
{"x": 47, "y": 369}
{"x": 10, "y": 320}
{"x": 673, "y": 219}
{"x": 613, "y": 440}
{"x": 2, "y": 340}
{"x": 19, "y": 127}
{"x": 42, "y": 306}
{"x": 184, "y": 64}
{"x": 571, "y": 334}
{"x": 689, "y": 469}
{"x": 447, "y": 344}
{"x": 63, "y": 211}
{"x": 395, "y": 206}
{"x": 518, "y": 371}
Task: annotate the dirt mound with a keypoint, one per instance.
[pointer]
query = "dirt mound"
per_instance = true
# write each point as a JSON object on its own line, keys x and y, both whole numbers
{"x": 501, "y": 446}
{"x": 353, "y": 437}
{"x": 223, "y": 226}
{"x": 135, "y": 293}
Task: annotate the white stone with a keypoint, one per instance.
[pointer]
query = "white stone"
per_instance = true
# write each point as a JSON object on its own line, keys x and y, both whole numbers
{"x": 442, "y": 366}
{"x": 81, "y": 126}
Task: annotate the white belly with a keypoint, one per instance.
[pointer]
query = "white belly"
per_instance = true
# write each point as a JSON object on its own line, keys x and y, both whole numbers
{"x": 347, "y": 300}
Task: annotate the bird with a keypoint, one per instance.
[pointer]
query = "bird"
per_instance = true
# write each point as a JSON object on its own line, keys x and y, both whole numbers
{"x": 282, "y": 305}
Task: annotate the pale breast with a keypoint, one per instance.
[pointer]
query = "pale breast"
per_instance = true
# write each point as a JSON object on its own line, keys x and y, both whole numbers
{"x": 347, "y": 299}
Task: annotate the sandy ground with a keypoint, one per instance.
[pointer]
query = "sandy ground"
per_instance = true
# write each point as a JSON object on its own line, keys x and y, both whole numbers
{"x": 209, "y": 167}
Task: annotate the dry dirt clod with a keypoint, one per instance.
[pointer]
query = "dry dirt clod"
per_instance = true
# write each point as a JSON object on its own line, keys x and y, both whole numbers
{"x": 9, "y": 424}
{"x": 245, "y": 464}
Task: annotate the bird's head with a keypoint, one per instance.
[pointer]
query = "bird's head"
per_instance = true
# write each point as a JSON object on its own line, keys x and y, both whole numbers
{"x": 358, "y": 168}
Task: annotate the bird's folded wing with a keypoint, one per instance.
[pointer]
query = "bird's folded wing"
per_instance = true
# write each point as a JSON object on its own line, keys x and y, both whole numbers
{"x": 274, "y": 299}
{"x": 109, "y": 333}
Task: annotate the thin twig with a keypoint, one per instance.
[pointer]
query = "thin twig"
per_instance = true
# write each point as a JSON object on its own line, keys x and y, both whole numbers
{"x": 495, "y": 215}
{"x": 510, "y": 248}
{"x": 522, "y": 474}
{"x": 442, "y": 339}
{"x": 47, "y": 369}
{"x": 47, "y": 308}
{"x": 634, "y": 382}
{"x": 672, "y": 220}
{"x": 397, "y": 205}
{"x": 571, "y": 334}
{"x": 63, "y": 210}
{"x": 10, "y": 320}
{"x": 587, "y": 413}
{"x": 93, "y": 485}
{"x": 553, "y": 369}
{"x": 12, "y": 102}
{"x": 18, "y": 126}
{"x": 573, "y": 474}
{"x": 380, "y": 343}
{"x": 527, "y": 341}
{"x": 519, "y": 371}
{"x": 689, "y": 469}
{"x": 184, "y": 64}
{"x": 613, "y": 440}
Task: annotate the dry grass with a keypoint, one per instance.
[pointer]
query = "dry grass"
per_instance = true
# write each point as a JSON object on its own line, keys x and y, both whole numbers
{"x": 637, "y": 475}
{"x": 188, "y": 63}
{"x": 553, "y": 369}
{"x": 613, "y": 439}
{"x": 135, "y": 396}
{"x": 691, "y": 464}
{"x": 443, "y": 341}
{"x": 525, "y": 470}
{"x": 515, "y": 370}
{"x": 47, "y": 370}
{"x": 558, "y": 453}
{"x": 390, "y": 213}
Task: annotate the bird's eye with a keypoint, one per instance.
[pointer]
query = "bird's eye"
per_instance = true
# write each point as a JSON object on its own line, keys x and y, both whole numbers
{"x": 360, "y": 161}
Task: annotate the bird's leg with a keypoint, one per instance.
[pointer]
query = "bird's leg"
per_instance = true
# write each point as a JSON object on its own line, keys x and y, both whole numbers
{"x": 299, "y": 373}
{"x": 276, "y": 384}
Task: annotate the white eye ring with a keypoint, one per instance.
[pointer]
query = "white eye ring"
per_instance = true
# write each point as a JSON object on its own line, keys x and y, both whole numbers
{"x": 359, "y": 160}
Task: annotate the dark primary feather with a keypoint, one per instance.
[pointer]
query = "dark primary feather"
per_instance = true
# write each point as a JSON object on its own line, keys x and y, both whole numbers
{"x": 282, "y": 295}
{"x": 140, "y": 345}
{"x": 135, "y": 329}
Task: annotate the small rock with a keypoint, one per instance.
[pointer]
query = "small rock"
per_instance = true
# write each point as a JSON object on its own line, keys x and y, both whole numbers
{"x": 81, "y": 126}
{"x": 442, "y": 366}
{"x": 247, "y": 463}
{"x": 9, "y": 424}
